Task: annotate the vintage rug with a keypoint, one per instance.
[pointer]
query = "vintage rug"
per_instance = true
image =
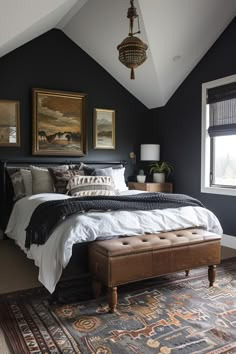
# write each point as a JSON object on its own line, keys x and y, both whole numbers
{"x": 172, "y": 314}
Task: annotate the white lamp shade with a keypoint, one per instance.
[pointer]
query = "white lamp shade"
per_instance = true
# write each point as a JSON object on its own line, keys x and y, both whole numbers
{"x": 150, "y": 152}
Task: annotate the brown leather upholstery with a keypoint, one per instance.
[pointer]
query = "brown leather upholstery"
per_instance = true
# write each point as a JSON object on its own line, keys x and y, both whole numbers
{"x": 128, "y": 259}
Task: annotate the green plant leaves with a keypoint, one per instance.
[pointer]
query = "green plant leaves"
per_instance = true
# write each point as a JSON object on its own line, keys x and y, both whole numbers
{"x": 161, "y": 167}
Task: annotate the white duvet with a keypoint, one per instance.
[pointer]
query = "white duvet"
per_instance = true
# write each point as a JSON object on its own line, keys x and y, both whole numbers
{"x": 54, "y": 256}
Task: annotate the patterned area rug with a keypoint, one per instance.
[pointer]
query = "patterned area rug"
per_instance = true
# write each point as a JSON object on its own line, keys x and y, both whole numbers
{"x": 172, "y": 314}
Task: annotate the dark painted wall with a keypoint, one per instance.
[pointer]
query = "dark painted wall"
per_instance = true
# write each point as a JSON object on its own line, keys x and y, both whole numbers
{"x": 177, "y": 127}
{"x": 53, "y": 61}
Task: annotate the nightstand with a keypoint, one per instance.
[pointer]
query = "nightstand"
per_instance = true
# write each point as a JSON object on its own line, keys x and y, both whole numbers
{"x": 152, "y": 187}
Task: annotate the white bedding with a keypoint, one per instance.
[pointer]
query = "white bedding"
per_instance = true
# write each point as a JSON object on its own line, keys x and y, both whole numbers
{"x": 54, "y": 256}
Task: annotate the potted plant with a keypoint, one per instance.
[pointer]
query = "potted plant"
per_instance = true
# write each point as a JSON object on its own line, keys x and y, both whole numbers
{"x": 141, "y": 176}
{"x": 160, "y": 169}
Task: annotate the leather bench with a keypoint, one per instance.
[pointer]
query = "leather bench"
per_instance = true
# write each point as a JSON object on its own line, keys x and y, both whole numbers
{"x": 134, "y": 258}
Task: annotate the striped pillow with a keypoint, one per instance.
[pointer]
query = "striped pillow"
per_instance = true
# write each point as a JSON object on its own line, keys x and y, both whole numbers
{"x": 82, "y": 186}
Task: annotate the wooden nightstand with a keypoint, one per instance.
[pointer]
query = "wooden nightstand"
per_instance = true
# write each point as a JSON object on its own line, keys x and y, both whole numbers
{"x": 152, "y": 187}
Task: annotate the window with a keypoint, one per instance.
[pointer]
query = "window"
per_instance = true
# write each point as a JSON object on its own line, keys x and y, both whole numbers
{"x": 218, "y": 170}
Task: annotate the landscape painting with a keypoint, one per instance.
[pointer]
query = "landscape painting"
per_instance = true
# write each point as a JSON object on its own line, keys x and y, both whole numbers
{"x": 59, "y": 123}
{"x": 9, "y": 123}
{"x": 104, "y": 129}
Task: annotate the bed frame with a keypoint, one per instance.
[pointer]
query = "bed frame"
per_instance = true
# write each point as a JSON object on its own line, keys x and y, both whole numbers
{"x": 79, "y": 260}
{"x": 6, "y": 188}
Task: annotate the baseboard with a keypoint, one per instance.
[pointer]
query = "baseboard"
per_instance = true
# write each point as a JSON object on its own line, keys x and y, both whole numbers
{"x": 228, "y": 241}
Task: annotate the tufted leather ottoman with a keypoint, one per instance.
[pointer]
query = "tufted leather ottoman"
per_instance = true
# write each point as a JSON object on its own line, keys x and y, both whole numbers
{"x": 134, "y": 258}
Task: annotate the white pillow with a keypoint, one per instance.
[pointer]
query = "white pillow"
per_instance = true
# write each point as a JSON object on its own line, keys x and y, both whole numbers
{"x": 27, "y": 179}
{"x": 42, "y": 181}
{"x": 118, "y": 175}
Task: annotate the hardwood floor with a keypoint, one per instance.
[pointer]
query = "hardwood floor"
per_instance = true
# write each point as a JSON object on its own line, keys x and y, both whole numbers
{"x": 17, "y": 272}
{"x": 227, "y": 252}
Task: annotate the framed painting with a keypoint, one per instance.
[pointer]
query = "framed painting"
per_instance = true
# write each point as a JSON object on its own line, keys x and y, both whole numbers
{"x": 103, "y": 128}
{"x": 9, "y": 123}
{"x": 59, "y": 123}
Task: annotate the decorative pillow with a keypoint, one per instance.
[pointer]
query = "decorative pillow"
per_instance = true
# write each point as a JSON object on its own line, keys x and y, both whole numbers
{"x": 76, "y": 167}
{"x": 27, "y": 179}
{"x": 118, "y": 175}
{"x": 17, "y": 182}
{"x": 89, "y": 171}
{"x": 42, "y": 182}
{"x": 116, "y": 172}
{"x": 61, "y": 176}
{"x": 81, "y": 186}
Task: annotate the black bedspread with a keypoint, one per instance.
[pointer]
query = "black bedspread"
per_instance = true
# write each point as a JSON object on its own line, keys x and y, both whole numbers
{"x": 48, "y": 214}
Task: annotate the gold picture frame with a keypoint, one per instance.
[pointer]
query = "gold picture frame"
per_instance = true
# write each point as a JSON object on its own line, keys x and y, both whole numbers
{"x": 103, "y": 128}
{"x": 9, "y": 123}
{"x": 59, "y": 123}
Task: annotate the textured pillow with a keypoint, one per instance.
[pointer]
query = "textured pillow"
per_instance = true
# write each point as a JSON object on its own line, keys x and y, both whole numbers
{"x": 61, "y": 176}
{"x": 92, "y": 171}
{"x": 42, "y": 182}
{"x": 116, "y": 172}
{"x": 89, "y": 171}
{"x": 27, "y": 179}
{"x": 17, "y": 182}
{"x": 81, "y": 186}
{"x": 76, "y": 167}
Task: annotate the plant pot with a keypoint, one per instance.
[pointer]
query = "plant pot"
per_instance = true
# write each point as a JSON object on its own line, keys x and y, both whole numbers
{"x": 159, "y": 177}
{"x": 141, "y": 178}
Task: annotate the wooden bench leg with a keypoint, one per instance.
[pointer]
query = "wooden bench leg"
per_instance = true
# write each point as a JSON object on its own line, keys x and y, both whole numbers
{"x": 96, "y": 287}
{"x": 211, "y": 274}
{"x": 187, "y": 273}
{"x": 112, "y": 298}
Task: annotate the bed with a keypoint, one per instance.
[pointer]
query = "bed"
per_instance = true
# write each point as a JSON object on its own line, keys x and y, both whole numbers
{"x": 68, "y": 241}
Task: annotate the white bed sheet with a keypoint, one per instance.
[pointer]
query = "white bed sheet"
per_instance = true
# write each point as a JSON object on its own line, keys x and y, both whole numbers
{"x": 54, "y": 256}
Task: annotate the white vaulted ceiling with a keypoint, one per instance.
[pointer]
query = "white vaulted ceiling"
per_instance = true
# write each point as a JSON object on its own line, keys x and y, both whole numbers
{"x": 178, "y": 33}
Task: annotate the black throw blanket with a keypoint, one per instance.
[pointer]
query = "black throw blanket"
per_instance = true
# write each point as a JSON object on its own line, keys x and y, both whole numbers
{"x": 48, "y": 214}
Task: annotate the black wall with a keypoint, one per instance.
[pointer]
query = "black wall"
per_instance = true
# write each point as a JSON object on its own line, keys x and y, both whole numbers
{"x": 177, "y": 127}
{"x": 53, "y": 61}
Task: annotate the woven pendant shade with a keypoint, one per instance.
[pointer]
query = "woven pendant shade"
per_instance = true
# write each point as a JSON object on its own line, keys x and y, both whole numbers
{"x": 132, "y": 51}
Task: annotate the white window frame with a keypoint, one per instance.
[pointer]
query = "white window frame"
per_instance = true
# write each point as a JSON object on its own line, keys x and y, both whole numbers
{"x": 205, "y": 148}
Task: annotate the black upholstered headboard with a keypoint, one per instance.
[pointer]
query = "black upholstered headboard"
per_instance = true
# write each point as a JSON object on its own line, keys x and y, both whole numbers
{"x": 6, "y": 188}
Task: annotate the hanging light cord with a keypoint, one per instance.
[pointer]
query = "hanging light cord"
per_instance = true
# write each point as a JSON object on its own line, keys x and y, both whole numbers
{"x": 132, "y": 15}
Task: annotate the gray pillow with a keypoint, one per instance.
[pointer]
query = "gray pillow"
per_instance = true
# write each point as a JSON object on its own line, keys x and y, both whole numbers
{"x": 27, "y": 179}
{"x": 103, "y": 172}
{"x": 42, "y": 182}
{"x": 92, "y": 171}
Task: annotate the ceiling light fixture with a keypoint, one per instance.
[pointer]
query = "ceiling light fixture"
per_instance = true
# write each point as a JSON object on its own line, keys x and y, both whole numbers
{"x": 132, "y": 51}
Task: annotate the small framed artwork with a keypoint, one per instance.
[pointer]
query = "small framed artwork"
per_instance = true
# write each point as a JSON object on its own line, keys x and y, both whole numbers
{"x": 103, "y": 128}
{"x": 59, "y": 123}
{"x": 9, "y": 123}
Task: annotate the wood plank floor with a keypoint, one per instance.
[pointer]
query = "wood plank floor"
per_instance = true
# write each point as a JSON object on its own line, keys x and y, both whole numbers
{"x": 17, "y": 272}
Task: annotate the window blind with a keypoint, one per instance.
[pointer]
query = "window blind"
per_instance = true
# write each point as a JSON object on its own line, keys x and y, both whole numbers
{"x": 222, "y": 104}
